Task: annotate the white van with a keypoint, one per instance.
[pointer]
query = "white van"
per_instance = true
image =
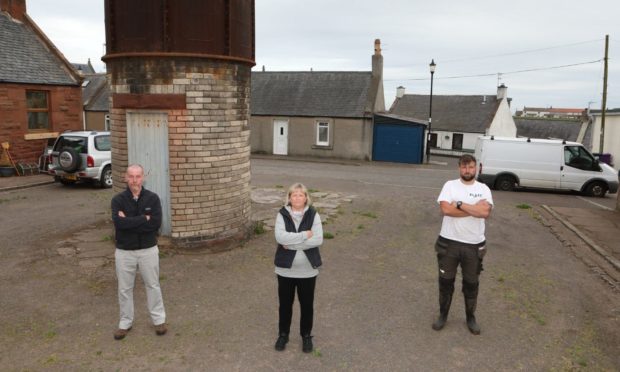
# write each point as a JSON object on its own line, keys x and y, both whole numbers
{"x": 505, "y": 163}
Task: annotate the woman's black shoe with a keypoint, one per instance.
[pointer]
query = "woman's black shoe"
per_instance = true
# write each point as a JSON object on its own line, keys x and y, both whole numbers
{"x": 281, "y": 341}
{"x": 307, "y": 344}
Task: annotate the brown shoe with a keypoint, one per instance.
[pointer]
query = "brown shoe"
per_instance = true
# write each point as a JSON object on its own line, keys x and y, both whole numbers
{"x": 121, "y": 333}
{"x": 161, "y": 329}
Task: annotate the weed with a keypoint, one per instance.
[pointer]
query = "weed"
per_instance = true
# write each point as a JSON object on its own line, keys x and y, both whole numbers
{"x": 106, "y": 238}
{"x": 317, "y": 353}
{"x": 279, "y": 187}
{"x": 368, "y": 214}
{"x": 327, "y": 235}
{"x": 51, "y": 333}
{"x": 51, "y": 359}
{"x": 524, "y": 206}
{"x": 162, "y": 278}
{"x": 99, "y": 352}
{"x": 312, "y": 190}
{"x": 360, "y": 227}
{"x": 259, "y": 228}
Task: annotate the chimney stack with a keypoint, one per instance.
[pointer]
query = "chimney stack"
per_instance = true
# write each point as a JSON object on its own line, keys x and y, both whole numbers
{"x": 377, "y": 61}
{"x": 502, "y": 92}
{"x": 15, "y": 8}
{"x": 400, "y": 92}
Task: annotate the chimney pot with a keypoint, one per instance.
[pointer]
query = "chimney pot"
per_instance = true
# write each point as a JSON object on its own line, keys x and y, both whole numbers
{"x": 400, "y": 92}
{"x": 377, "y": 47}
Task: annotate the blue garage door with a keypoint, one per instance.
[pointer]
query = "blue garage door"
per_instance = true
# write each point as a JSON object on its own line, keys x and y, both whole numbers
{"x": 400, "y": 143}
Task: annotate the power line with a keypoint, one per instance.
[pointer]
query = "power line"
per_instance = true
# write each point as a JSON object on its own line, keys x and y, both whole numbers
{"x": 517, "y": 53}
{"x": 501, "y": 73}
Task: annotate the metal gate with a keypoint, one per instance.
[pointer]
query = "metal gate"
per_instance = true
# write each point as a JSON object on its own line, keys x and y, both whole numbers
{"x": 147, "y": 145}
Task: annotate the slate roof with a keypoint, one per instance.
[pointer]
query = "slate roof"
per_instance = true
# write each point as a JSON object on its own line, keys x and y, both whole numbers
{"x": 96, "y": 94}
{"x": 548, "y": 128}
{"x": 467, "y": 114}
{"x": 24, "y": 57}
{"x": 84, "y": 68}
{"x": 325, "y": 94}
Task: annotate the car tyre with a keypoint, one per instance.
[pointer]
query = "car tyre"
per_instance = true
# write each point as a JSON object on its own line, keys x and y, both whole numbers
{"x": 597, "y": 189}
{"x": 69, "y": 159}
{"x": 505, "y": 183}
{"x": 105, "y": 182}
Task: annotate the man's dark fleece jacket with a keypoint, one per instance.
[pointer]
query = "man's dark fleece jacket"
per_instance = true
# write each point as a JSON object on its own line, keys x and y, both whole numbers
{"x": 133, "y": 231}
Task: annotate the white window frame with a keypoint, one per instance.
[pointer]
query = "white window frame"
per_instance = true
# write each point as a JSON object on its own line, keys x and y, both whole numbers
{"x": 322, "y": 124}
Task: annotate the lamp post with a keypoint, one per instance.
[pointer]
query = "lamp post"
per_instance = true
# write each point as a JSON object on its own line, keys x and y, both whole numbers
{"x": 430, "y": 113}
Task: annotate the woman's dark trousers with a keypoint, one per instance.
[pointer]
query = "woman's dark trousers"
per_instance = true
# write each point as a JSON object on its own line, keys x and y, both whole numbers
{"x": 286, "y": 295}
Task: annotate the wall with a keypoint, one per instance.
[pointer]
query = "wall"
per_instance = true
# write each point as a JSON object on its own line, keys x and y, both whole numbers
{"x": 443, "y": 143}
{"x": 95, "y": 120}
{"x": 65, "y": 114}
{"x": 349, "y": 138}
{"x": 503, "y": 124}
{"x": 209, "y": 146}
{"x": 612, "y": 136}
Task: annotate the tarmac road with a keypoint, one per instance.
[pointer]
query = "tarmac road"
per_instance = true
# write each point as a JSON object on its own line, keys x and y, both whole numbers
{"x": 540, "y": 307}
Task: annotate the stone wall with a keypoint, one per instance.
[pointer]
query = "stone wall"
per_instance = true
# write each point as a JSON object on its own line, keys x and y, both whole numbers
{"x": 209, "y": 148}
{"x": 65, "y": 114}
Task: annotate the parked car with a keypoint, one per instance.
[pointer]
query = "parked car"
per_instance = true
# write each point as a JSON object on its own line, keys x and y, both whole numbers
{"x": 82, "y": 156}
{"x": 506, "y": 163}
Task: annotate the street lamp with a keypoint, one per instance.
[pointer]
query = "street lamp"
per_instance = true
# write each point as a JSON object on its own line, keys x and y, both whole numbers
{"x": 430, "y": 113}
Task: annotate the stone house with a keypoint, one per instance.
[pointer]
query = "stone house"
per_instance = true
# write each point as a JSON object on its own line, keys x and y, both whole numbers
{"x": 318, "y": 114}
{"x": 458, "y": 120}
{"x": 40, "y": 94}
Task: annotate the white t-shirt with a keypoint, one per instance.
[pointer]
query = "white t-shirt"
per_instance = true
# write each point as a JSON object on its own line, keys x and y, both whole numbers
{"x": 464, "y": 229}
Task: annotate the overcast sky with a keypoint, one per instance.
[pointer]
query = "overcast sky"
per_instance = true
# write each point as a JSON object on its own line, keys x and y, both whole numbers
{"x": 465, "y": 38}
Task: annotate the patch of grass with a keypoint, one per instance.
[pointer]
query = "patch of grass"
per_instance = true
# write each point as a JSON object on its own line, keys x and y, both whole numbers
{"x": 312, "y": 190}
{"x": 317, "y": 353}
{"x": 97, "y": 287}
{"x": 360, "y": 227}
{"x": 50, "y": 333}
{"x": 13, "y": 199}
{"x": 99, "y": 352}
{"x": 367, "y": 214}
{"x": 162, "y": 277}
{"x": 524, "y": 206}
{"x": 279, "y": 187}
{"x": 52, "y": 359}
{"x": 106, "y": 238}
{"x": 328, "y": 235}
{"x": 259, "y": 228}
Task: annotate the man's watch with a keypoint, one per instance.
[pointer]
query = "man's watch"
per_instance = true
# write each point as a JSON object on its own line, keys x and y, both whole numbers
{"x": 458, "y": 204}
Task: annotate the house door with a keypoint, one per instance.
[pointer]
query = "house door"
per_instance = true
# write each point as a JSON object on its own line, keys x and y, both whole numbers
{"x": 280, "y": 137}
{"x": 457, "y": 141}
{"x": 147, "y": 145}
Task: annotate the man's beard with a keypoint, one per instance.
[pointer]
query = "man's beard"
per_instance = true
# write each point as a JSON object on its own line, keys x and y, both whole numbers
{"x": 467, "y": 177}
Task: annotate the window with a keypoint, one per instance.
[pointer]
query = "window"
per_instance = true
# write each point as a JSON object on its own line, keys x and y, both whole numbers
{"x": 102, "y": 143}
{"x": 578, "y": 157}
{"x": 37, "y": 103}
{"x": 322, "y": 133}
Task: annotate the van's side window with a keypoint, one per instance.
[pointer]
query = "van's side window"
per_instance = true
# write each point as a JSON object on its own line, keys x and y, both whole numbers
{"x": 578, "y": 157}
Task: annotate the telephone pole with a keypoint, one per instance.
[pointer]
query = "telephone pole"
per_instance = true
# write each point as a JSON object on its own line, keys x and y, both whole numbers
{"x": 604, "y": 105}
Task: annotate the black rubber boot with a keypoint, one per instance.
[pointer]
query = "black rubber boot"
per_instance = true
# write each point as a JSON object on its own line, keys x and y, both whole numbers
{"x": 470, "y": 309}
{"x": 446, "y": 289}
{"x": 470, "y": 292}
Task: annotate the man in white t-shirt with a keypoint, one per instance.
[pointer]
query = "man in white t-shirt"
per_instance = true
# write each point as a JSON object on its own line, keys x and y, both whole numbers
{"x": 465, "y": 203}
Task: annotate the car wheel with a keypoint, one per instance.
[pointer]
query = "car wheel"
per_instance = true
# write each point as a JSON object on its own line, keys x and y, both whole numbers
{"x": 505, "y": 183}
{"x": 69, "y": 159}
{"x": 597, "y": 189}
{"x": 106, "y": 178}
